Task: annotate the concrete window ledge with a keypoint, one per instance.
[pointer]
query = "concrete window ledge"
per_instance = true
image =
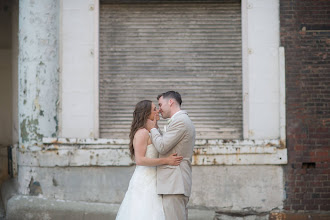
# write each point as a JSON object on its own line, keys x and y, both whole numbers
{"x": 114, "y": 152}
{"x": 239, "y": 152}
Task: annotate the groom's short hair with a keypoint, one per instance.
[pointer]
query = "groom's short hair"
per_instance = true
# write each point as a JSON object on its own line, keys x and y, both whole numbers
{"x": 171, "y": 95}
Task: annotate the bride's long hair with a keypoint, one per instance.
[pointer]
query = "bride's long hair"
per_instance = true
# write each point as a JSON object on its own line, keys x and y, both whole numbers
{"x": 140, "y": 116}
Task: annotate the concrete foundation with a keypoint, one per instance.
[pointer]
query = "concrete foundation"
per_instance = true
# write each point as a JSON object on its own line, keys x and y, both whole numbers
{"x": 221, "y": 188}
{"x": 42, "y": 208}
{"x": 238, "y": 188}
{"x": 89, "y": 184}
{"x": 39, "y": 208}
{"x": 241, "y": 216}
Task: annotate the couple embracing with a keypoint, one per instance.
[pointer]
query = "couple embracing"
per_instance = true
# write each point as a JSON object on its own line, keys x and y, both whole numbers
{"x": 161, "y": 183}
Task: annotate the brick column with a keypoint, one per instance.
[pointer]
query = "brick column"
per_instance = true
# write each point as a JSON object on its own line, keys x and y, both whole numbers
{"x": 305, "y": 36}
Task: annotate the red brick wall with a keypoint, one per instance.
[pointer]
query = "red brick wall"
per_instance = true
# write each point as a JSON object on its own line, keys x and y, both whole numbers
{"x": 307, "y": 57}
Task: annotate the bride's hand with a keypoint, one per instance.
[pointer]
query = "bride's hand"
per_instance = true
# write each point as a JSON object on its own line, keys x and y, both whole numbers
{"x": 174, "y": 160}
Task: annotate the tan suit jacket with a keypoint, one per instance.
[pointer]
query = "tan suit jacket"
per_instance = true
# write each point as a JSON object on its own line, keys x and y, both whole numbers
{"x": 179, "y": 138}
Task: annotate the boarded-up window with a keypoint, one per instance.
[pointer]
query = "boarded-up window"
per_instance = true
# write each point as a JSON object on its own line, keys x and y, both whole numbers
{"x": 193, "y": 47}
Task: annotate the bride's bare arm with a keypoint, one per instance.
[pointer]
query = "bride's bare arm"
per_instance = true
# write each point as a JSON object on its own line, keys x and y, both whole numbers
{"x": 140, "y": 144}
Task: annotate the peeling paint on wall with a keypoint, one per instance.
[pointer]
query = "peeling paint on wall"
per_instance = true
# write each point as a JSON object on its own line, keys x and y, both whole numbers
{"x": 38, "y": 65}
{"x": 30, "y": 130}
{"x": 24, "y": 133}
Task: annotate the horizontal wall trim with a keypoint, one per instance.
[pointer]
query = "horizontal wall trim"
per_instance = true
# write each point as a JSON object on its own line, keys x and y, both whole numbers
{"x": 75, "y": 152}
{"x": 198, "y": 143}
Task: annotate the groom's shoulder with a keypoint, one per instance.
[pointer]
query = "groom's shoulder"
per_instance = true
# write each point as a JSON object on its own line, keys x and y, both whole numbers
{"x": 183, "y": 117}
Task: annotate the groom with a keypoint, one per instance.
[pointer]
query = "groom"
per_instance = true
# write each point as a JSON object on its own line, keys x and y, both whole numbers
{"x": 174, "y": 182}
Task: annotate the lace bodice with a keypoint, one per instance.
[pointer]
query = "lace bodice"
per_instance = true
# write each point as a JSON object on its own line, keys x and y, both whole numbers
{"x": 147, "y": 171}
{"x": 151, "y": 151}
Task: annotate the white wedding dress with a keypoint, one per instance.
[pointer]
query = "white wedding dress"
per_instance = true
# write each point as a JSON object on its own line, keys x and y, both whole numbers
{"x": 141, "y": 200}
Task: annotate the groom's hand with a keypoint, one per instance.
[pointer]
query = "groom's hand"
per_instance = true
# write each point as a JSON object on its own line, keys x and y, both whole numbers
{"x": 151, "y": 124}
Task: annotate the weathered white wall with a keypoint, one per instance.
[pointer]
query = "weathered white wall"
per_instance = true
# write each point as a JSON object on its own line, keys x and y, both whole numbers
{"x": 102, "y": 168}
{"x": 93, "y": 184}
{"x": 77, "y": 69}
{"x": 38, "y": 70}
{"x": 226, "y": 188}
{"x": 234, "y": 188}
{"x": 263, "y": 69}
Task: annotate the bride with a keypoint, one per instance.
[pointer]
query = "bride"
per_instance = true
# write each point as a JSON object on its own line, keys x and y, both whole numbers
{"x": 141, "y": 200}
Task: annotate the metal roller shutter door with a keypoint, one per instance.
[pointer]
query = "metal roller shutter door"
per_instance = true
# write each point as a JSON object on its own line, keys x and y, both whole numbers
{"x": 193, "y": 47}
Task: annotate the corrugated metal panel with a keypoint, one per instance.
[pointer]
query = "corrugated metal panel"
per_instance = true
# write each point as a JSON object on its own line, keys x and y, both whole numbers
{"x": 194, "y": 47}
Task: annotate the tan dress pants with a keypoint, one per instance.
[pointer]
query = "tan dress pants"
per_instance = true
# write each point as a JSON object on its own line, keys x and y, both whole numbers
{"x": 175, "y": 206}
